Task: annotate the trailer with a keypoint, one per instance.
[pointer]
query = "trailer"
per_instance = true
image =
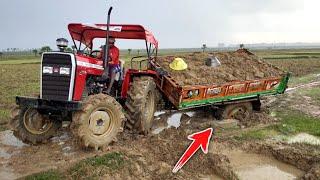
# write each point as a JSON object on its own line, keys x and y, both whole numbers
{"x": 231, "y": 98}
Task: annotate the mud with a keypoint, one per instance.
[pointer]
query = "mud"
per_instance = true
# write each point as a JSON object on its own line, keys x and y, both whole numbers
{"x": 153, "y": 157}
{"x": 234, "y": 67}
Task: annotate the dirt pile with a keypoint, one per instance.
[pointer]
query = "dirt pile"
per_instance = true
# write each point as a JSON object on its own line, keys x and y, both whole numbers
{"x": 160, "y": 153}
{"x": 234, "y": 67}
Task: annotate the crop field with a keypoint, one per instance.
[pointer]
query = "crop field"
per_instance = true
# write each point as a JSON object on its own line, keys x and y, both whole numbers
{"x": 275, "y": 136}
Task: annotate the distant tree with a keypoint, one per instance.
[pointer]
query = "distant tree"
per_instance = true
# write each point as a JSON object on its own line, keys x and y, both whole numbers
{"x": 46, "y": 49}
{"x": 138, "y": 52}
{"x": 241, "y": 46}
{"x": 68, "y": 49}
{"x": 8, "y": 49}
{"x": 129, "y": 51}
{"x": 35, "y": 52}
{"x": 1, "y": 54}
{"x": 204, "y": 47}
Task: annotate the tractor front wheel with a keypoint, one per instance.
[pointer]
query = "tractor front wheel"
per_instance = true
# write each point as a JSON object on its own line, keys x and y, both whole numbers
{"x": 99, "y": 121}
{"x": 32, "y": 127}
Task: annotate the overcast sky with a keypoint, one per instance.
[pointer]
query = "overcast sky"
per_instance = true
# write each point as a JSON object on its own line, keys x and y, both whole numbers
{"x": 175, "y": 23}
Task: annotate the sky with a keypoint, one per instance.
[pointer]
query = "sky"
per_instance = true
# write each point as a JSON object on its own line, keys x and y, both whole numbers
{"x": 175, "y": 23}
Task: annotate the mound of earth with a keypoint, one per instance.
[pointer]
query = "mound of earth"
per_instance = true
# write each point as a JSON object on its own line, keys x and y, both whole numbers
{"x": 235, "y": 66}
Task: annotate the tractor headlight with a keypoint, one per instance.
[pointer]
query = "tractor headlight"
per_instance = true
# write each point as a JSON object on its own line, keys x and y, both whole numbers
{"x": 47, "y": 70}
{"x": 62, "y": 43}
{"x": 64, "y": 71}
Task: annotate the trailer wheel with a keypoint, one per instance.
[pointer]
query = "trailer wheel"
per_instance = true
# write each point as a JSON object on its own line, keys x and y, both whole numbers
{"x": 99, "y": 121}
{"x": 31, "y": 127}
{"x": 240, "y": 111}
{"x": 141, "y": 104}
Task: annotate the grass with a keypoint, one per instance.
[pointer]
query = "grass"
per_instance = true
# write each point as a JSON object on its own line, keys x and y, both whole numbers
{"x": 91, "y": 168}
{"x": 97, "y": 166}
{"x": 314, "y": 93}
{"x": 292, "y": 122}
{"x": 48, "y": 175}
{"x": 294, "y": 81}
{"x": 260, "y": 134}
{"x": 16, "y": 80}
{"x": 20, "y": 61}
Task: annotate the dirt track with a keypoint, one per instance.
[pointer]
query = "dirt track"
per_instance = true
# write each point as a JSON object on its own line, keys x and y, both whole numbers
{"x": 234, "y": 67}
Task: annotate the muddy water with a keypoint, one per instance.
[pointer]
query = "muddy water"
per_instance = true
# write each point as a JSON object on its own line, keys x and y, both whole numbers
{"x": 7, "y": 140}
{"x": 254, "y": 166}
{"x": 165, "y": 120}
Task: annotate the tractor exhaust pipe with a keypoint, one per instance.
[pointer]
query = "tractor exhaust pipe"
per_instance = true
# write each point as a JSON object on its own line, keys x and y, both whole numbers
{"x": 106, "y": 47}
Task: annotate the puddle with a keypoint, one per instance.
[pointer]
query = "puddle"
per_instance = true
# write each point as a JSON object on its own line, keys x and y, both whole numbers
{"x": 254, "y": 166}
{"x": 190, "y": 114}
{"x": 304, "y": 138}
{"x": 264, "y": 172}
{"x": 7, "y": 138}
{"x": 172, "y": 120}
{"x": 158, "y": 113}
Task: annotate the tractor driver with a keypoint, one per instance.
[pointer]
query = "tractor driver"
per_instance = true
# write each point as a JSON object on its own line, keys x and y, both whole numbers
{"x": 114, "y": 66}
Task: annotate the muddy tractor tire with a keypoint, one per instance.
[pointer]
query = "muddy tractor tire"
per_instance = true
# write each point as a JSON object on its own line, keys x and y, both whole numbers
{"x": 141, "y": 104}
{"x": 31, "y": 127}
{"x": 98, "y": 122}
{"x": 239, "y": 111}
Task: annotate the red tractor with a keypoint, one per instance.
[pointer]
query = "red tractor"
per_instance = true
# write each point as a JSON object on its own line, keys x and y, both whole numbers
{"x": 73, "y": 88}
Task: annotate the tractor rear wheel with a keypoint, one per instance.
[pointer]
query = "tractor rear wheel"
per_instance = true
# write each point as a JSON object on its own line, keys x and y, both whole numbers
{"x": 99, "y": 121}
{"x": 240, "y": 111}
{"x": 32, "y": 127}
{"x": 141, "y": 104}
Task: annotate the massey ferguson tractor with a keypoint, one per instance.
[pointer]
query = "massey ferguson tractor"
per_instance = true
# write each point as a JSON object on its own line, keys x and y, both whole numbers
{"x": 74, "y": 87}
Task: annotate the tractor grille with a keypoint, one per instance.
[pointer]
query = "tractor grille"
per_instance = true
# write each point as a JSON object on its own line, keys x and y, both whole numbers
{"x": 56, "y": 86}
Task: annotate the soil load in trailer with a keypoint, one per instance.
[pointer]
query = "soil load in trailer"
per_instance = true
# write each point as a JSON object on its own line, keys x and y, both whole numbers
{"x": 234, "y": 67}
{"x": 240, "y": 77}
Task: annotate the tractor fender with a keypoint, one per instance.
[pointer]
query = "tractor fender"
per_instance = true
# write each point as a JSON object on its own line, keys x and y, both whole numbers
{"x": 129, "y": 77}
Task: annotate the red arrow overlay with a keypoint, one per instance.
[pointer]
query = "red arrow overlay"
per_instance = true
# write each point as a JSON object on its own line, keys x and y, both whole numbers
{"x": 200, "y": 139}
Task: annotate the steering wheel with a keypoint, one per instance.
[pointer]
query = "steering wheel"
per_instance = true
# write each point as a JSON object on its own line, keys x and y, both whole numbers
{"x": 95, "y": 53}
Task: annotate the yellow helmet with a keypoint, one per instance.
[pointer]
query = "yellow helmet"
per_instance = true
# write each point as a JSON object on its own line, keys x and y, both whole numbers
{"x": 178, "y": 64}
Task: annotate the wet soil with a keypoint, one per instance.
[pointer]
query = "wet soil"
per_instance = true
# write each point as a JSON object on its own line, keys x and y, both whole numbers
{"x": 153, "y": 157}
{"x": 156, "y": 155}
{"x": 234, "y": 67}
